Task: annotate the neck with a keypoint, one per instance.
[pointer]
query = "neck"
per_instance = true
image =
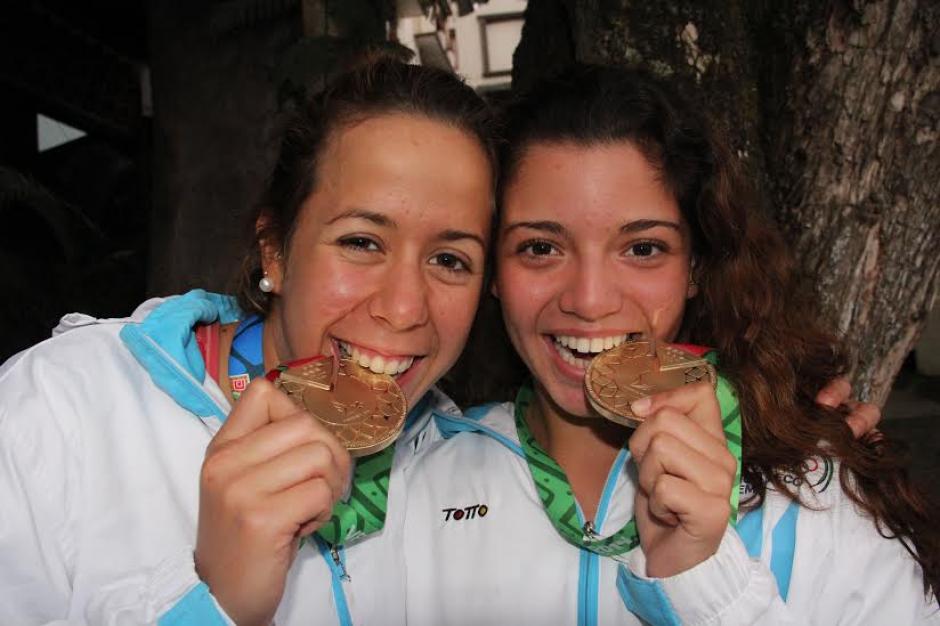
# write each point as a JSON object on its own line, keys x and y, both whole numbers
{"x": 226, "y": 338}
{"x": 271, "y": 338}
{"x": 584, "y": 447}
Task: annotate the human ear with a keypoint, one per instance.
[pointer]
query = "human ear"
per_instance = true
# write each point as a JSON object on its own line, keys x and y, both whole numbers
{"x": 272, "y": 259}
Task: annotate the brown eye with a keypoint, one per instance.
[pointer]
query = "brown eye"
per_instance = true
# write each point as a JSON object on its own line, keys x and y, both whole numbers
{"x": 643, "y": 249}
{"x": 646, "y": 249}
{"x": 449, "y": 262}
{"x": 364, "y": 244}
{"x": 537, "y": 248}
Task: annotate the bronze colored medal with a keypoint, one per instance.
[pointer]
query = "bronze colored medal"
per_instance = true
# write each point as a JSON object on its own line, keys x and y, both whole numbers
{"x": 366, "y": 411}
{"x": 636, "y": 369}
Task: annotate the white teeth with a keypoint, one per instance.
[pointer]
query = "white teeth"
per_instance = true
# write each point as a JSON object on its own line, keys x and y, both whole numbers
{"x": 377, "y": 363}
{"x": 393, "y": 367}
{"x": 589, "y": 345}
{"x": 570, "y": 358}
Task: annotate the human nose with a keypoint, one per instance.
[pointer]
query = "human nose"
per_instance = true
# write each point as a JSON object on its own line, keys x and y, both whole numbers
{"x": 401, "y": 301}
{"x": 589, "y": 293}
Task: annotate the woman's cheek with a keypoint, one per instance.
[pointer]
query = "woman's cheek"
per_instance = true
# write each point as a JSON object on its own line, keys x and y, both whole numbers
{"x": 346, "y": 285}
{"x": 663, "y": 308}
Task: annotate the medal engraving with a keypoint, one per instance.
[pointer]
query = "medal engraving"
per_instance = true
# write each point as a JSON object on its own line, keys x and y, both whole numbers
{"x": 636, "y": 369}
{"x": 366, "y": 411}
{"x": 315, "y": 373}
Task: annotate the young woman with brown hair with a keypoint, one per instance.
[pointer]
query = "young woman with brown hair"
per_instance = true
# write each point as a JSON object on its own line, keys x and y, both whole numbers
{"x": 622, "y": 216}
{"x": 135, "y": 490}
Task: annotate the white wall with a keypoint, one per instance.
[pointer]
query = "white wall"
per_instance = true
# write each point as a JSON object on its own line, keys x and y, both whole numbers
{"x": 502, "y": 39}
{"x": 467, "y": 59}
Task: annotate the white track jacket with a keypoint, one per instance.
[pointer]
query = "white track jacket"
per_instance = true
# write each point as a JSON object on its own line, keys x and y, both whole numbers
{"x": 103, "y": 429}
{"x": 481, "y": 550}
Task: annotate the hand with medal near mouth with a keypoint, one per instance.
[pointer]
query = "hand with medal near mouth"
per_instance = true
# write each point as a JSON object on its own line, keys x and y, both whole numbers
{"x": 271, "y": 475}
{"x": 686, "y": 472}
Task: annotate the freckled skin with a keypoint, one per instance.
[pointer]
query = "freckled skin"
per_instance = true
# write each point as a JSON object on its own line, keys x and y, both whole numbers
{"x": 596, "y": 279}
{"x": 391, "y": 295}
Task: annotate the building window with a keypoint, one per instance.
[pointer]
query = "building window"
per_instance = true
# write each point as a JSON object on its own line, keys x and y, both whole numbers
{"x": 499, "y": 35}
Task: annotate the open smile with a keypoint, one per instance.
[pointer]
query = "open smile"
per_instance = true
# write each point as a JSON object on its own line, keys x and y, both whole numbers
{"x": 392, "y": 365}
{"x": 578, "y": 351}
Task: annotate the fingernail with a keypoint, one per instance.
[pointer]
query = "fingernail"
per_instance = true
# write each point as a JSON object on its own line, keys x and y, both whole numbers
{"x": 641, "y": 407}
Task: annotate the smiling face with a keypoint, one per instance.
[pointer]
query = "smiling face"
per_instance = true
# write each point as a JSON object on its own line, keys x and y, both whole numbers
{"x": 592, "y": 248}
{"x": 386, "y": 260}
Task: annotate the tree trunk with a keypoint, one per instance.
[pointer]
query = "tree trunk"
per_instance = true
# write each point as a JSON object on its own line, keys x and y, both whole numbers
{"x": 834, "y": 107}
{"x": 215, "y": 112}
{"x": 223, "y": 74}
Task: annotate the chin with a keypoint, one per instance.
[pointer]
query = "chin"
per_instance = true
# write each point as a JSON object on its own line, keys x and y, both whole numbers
{"x": 571, "y": 400}
{"x": 415, "y": 383}
{"x": 580, "y": 409}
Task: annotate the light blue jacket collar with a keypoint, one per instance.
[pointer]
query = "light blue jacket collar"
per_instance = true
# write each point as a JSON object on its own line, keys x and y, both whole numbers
{"x": 165, "y": 345}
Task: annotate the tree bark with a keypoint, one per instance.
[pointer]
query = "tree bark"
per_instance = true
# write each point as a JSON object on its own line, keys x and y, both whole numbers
{"x": 833, "y": 106}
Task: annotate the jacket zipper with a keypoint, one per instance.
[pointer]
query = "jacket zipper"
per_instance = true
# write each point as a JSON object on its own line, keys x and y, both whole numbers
{"x": 340, "y": 566}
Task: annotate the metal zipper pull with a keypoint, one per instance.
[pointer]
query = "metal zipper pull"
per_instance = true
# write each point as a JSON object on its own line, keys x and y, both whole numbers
{"x": 334, "y": 552}
{"x": 590, "y": 533}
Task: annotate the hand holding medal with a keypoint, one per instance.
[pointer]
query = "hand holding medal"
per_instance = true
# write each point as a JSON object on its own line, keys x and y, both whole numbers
{"x": 270, "y": 476}
{"x": 280, "y": 469}
{"x": 686, "y": 472}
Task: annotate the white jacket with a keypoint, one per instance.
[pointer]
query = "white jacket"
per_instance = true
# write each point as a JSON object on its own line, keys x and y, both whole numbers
{"x": 103, "y": 430}
{"x": 481, "y": 550}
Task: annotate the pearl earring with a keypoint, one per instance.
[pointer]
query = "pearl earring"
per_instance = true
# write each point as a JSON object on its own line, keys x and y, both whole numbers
{"x": 266, "y": 284}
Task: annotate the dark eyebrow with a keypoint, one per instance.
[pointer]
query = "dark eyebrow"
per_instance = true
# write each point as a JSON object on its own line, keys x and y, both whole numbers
{"x": 640, "y": 225}
{"x": 457, "y": 235}
{"x": 549, "y": 227}
{"x": 378, "y": 219}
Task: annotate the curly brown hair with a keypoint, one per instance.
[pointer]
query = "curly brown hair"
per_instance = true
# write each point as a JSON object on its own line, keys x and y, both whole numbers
{"x": 752, "y": 306}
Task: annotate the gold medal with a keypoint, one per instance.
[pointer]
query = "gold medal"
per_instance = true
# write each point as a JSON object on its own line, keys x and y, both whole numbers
{"x": 636, "y": 369}
{"x": 366, "y": 411}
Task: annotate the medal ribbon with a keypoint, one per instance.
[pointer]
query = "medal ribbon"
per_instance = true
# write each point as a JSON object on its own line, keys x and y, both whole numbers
{"x": 245, "y": 359}
{"x": 555, "y": 491}
{"x": 363, "y": 512}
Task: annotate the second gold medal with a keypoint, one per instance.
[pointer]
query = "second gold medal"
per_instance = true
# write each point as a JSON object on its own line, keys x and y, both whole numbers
{"x": 636, "y": 369}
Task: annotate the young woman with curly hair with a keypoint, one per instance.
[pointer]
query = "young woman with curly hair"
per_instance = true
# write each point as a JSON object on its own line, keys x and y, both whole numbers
{"x": 623, "y": 215}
